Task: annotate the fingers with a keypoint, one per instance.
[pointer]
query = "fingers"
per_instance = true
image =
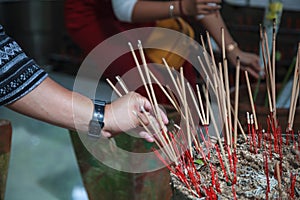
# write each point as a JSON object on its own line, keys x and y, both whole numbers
{"x": 200, "y": 7}
{"x": 151, "y": 129}
{"x": 143, "y": 118}
{"x": 209, "y": 1}
{"x": 106, "y": 134}
{"x": 146, "y": 107}
{"x": 148, "y": 120}
{"x": 207, "y": 8}
{"x": 251, "y": 72}
{"x": 254, "y": 68}
{"x": 164, "y": 117}
{"x": 130, "y": 111}
{"x": 249, "y": 62}
{"x": 146, "y": 136}
{"x": 255, "y": 62}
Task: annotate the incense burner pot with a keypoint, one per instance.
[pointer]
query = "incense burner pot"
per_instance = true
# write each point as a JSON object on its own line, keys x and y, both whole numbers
{"x": 253, "y": 172}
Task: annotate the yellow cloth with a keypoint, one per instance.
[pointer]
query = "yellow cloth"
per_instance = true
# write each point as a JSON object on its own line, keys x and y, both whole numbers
{"x": 173, "y": 60}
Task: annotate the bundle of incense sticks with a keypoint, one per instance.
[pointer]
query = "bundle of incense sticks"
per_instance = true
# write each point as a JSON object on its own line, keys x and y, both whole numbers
{"x": 180, "y": 145}
{"x": 191, "y": 142}
{"x": 257, "y": 135}
{"x": 270, "y": 69}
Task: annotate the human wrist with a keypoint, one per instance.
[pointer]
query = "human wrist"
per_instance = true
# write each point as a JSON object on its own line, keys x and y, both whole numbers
{"x": 97, "y": 121}
{"x": 173, "y": 9}
{"x": 232, "y": 47}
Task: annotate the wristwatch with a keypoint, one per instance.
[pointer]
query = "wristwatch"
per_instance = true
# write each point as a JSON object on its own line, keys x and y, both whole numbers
{"x": 97, "y": 121}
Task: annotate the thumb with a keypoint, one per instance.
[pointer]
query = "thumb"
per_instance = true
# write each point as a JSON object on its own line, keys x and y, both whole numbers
{"x": 146, "y": 136}
{"x": 106, "y": 134}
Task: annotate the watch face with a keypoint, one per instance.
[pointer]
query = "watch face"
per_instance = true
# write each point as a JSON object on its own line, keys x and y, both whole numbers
{"x": 97, "y": 122}
{"x": 98, "y": 115}
{"x": 94, "y": 129}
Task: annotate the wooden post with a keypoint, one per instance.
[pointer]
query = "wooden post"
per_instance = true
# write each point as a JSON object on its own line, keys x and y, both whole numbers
{"x": 5, "y": 146}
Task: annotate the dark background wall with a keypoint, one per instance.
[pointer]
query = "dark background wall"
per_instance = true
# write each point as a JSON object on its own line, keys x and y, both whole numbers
{"x": 244, "y": 21}
{"x": 38, "y": 26}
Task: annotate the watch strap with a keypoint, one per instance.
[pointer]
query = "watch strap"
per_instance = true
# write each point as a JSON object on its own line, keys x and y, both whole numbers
{"x": 97, "y": 121}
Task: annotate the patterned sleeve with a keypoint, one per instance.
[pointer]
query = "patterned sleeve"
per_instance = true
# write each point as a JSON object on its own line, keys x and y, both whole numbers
{"x": 18, "y": 74}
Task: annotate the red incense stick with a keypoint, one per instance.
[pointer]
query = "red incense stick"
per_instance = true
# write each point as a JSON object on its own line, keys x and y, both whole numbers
{"x": 233, "y": 192}
{"x": 221, "y": 162}
{"x": 230, "y": 158}
{"x": 235, "y": 160}
{"x": 212, "y": 171}
{"x": 293, "y": 139}
{"x": 293, "y": 182}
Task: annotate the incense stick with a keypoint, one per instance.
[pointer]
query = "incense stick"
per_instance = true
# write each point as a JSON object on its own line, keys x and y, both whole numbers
{"x": 219, "y": 141}
{"x": 200, "y": 114}
{"x": 271, "y": 78}
{"x": 251, "y": 100}
{"x": 294, "y": 105}
{"x": 165, "y": 150}
{"x": 273, "y": 72}
{"x": 157, "y": 114}
{"x": 223, "y": 104}
{"x": 295, "y": 91}
{"x": 211, "y": 50}
{"x": 114, "y": 88}
{"x": 226, "y": 78}
{"x": 173, "y": 79}
{"x": 152, "y": 94}
{"x": 122, "y": 83}
{"x": 205, "y": 54}
{"x": 223, "y": 44}
{"x": 169, "y": 148}
{"x": 208, "y": 80}
{"x": 240, "y": 125}
{"x": 207, "y": 101}
{"x": 186, "y": 111}
{"x": 165, "y": 92}
{"x": 174, "y": 99}
{"x": 274, "y": 53}
{"x": 236, "y": 101}
{"x": 141, "y": 73}
{"x": 201, "y": 105}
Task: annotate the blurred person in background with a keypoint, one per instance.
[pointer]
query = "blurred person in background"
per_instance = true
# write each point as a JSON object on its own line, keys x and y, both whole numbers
{"x": 90, "y": 22}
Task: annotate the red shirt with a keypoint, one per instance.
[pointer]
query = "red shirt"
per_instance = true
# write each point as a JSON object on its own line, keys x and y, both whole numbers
{"x": 90, "y": 22}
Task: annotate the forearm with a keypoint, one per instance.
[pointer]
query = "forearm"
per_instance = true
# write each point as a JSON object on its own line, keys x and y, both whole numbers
{"x": 52, "y": 103}
{"x": 213, "y": 24}
{"x": 249, "y": 61}
{"x": 144, "y": 10}
{"x": 149, "y": 11}
{"x": 56, "y": 105}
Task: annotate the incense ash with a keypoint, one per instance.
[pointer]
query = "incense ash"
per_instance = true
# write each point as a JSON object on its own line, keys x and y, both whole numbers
{"x": 254, "y": 175}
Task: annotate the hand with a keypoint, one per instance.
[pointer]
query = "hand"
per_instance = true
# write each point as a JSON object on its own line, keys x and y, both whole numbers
{"x": 249, "y": 61}
{"x": 200, "y": 7}
{"x": 120, "y": 115}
